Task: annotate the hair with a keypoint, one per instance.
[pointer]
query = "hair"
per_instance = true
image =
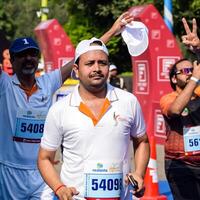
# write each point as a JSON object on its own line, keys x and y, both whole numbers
{"x": 77, "y": 61}
{"x": 172, "y": 72}
{"x": 12, "y": 56}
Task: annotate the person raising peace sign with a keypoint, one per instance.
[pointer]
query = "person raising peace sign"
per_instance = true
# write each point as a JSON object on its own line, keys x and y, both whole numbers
{"x": 191, "y": 39}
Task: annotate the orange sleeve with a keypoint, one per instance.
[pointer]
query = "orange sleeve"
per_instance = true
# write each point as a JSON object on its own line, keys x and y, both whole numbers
{"x": 197, "y": 90}
{"x": 166, "y": 101}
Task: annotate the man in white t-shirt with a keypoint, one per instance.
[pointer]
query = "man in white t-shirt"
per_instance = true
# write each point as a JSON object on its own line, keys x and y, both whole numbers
{"x": 94, "y": 124}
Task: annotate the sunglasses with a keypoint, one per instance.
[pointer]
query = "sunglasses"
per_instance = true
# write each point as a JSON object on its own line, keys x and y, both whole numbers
{"x": 186, "y": 71}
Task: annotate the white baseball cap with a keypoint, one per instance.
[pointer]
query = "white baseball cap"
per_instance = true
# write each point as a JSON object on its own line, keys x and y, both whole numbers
{"x": 88, "y": 45}
{"x": 135, "y": 35}
{"x": 112, "y": 67}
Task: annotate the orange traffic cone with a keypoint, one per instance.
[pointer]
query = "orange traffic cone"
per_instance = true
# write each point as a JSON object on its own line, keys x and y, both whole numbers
{"x": 151, "y": 176}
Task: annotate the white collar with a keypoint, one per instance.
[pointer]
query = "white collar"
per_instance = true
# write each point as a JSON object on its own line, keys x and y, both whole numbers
{"x": 75, "y": 98}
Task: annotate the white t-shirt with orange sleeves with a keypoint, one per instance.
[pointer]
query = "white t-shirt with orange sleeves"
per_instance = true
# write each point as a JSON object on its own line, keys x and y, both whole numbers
{"x": 92, "y": 147}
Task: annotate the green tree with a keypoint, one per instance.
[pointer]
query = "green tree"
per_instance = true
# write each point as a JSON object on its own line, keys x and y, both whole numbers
{"x": 18, "y": 17}
{"x": 84, "y": 19}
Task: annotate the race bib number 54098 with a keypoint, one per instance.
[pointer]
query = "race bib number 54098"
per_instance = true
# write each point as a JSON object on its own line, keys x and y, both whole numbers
{"x": 103, "y": 185}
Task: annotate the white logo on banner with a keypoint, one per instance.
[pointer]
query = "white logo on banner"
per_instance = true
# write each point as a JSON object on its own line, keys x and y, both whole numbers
{"x": 142, "y": 77}
{"x": 163, "y": 65}
{"x": 159, "y": 124}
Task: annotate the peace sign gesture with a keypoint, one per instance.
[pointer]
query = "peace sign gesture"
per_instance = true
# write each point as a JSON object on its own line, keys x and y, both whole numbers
{"x": 191, "y": 38}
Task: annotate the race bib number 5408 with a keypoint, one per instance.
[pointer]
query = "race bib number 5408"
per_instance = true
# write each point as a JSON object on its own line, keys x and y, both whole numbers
{"x": 29, "y": 126}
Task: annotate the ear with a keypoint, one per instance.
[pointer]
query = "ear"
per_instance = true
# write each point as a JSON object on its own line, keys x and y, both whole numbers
{"x": 75, "y": 69}
{"x": 174, "y": 80}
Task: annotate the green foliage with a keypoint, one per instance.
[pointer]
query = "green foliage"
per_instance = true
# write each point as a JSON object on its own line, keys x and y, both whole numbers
{"x": 83, "y": 19}
{"x": 126, "y": 74}
{"x": 18, "y": 18}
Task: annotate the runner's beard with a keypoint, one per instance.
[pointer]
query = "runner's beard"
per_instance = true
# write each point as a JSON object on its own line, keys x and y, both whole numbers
{"x": 28, "y": 71}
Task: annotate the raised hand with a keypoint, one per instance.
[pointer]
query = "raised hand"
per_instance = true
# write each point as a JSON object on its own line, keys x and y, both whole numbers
{"x": 191, "y": 39}
{"x": 117, "y": 27}
{"x": 121, "y": 21}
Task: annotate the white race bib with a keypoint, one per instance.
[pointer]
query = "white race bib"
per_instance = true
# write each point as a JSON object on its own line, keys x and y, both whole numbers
{"x": 191, "y": 137}
{"x": 103, "y": 179}
{"x": 30, "y": 125}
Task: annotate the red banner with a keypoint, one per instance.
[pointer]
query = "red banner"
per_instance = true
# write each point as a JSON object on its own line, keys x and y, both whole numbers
{"x": 151, "y": 79}
{"x": 56, "y": 46}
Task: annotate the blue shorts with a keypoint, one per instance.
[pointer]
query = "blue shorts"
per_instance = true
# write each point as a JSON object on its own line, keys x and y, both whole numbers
{"x": 23, "y": 184}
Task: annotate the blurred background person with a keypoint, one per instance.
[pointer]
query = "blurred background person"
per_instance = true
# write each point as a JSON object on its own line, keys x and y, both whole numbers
{"x": 114, "y": 79}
